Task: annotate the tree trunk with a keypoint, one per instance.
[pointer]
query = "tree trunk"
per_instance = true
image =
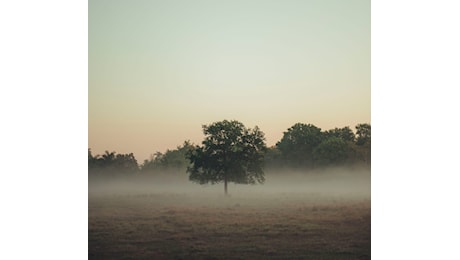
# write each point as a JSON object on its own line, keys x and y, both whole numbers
{"x": 225, "y": 186}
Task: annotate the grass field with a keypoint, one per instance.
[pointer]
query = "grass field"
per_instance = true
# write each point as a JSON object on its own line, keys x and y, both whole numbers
{"x": 246, "y": 225}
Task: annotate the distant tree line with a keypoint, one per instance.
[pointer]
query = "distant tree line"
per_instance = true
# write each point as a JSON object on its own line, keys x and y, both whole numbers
{"x": 172, "y": 160}
{"x": 303, "y": 146}
{"x": 112, "y": 163}
{"x": 307, "y": 146}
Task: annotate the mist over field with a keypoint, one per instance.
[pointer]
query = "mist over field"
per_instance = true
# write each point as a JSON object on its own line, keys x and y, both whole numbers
{"x": 338, "y": 181}
{"x": 318, "y": 214}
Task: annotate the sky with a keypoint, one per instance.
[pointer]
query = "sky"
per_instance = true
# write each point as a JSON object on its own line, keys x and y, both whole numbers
{"x": 159, "y": 70}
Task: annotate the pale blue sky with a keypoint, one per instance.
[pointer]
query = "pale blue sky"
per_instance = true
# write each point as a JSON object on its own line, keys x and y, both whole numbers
{"x": 158, "y": 70}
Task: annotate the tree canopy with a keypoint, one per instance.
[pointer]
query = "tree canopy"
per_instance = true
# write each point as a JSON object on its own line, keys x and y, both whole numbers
{"x": 111, "y": 163}
{"x": 171, "y": 160}
{"x": 298, "y": 143}
{"x": 331, "y": 151}
{"x": 306, "y": 146}
{"x": 344, "y": 133}
{"x": 363, "y": 132}
{"x": 230, "y": 152}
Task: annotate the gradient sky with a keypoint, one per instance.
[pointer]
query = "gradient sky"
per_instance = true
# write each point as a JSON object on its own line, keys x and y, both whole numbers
{"x": 159, "y": 70}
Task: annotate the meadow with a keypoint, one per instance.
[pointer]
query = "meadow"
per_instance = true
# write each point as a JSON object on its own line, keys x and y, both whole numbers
{"x": 152, "y": 221}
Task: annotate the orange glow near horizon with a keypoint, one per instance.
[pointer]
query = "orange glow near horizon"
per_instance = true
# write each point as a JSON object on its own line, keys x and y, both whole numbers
{"x": 159, "y": 71}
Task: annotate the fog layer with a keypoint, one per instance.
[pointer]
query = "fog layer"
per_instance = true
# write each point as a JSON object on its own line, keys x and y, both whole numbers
{"x": 337, "y": 182}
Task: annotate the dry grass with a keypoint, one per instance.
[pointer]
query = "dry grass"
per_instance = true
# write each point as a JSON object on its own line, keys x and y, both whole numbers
{"x": 187, "y": 226}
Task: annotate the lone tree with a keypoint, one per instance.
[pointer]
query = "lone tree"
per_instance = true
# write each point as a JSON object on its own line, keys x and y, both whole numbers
{"x": 230, "y": 152}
